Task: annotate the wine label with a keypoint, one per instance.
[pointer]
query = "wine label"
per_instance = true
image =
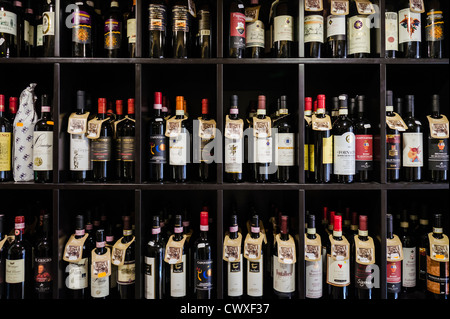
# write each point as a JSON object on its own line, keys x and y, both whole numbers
{"x": 358, "y": 29}
{"x": 158, "y": 149}
{"x": 314, "y": 29}
{"x": 80, "y": 159}
{"x": 363, "y": 276}
{"x": 118, "y": 251}
{"x": 178, "y": 278}
{"x": 286, "y": 250}
{"x": 43, "y": 274}
{"x": 237, "y": 30}
{"x": 336, "y": 26}
{"x": 81, "y": 27}
{"x": 99, "y": 287}
{"x": 338, "y": 272}
{"x": 180, "y": 18}
{"x": 283, "y": 28}
{"x": 232, "y": 248}
{"x": 101, "y": 149}
{"x": 327, "y": 150}
{"x": 39, "y": 35}
{"x": 391, "y": 27}
{"x": 255, "y": 34}
{"x": 311, "y": 159}
{"x": 394, "y": 249}
{"x": 157, "y": 17}
{"x": 283, "y": 276}
{"x": 203, "y": 279}
{"x": 363, "y": 152}
{"x": 235, "y": 278}
{"x": 364, "y": 7}
{"x": 393, "y": 151}
{"x": 5, "y": 151}
{"x": 409, "y": 267}
{"x": 412, "y": 149}
{"x": 204, "y": 25}
{"x": 15, "y": 271}
{"x": 313, "y": 248}
{"x": 150, "y": 277}
{"x": 174, "y": 250}
{"x": 394, "y": 276}
{"x": 313, "y": 279}
{"x": 48, "y": 23}
{"x": 438, "y": 278}
{"x": 178, "y": 149}
{"x": 262, "y": 150}
{"x": 255, "y": 278}
{"x": 127, "y": 149}
{"x": 8, "y": 23}
{"x": 233, "y": 155}
{"x": 306, "y": 162}
{"x": 284, "y": 149}
{"x": 339, "y": 7}
{"x": 344, "y": 154}
{"x": 434, "y": 30}
{"x": 112, "y": 34}
{"x": 439, "y": 128}
{"x": 77, "y": 274}
{"x": 131, "y": 30}
{"x": 409, "y": 26}
{"x": 101, "y": 264}
{"x": 438, "y": 154}
{"x": 126, "y": 273}
{"x": 42, "y": 151}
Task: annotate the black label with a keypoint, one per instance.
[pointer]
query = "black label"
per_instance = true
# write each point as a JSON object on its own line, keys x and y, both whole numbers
{"x": 157, "y": 17}
{"x": 178, "y": 268}
{"x": 363, "y": 166}
{"x": 203, "y": 279}
{"x": 393, "y": 151}
{"x": 437, "y": 154}
{"x": 235, "y": 266}
{"x": 101, "y": 149}
{"x": 254, "y": 266}
{"x": 127, "y": 149}
{"x": 158, "y": 149}
{"x": 363, "y": 276}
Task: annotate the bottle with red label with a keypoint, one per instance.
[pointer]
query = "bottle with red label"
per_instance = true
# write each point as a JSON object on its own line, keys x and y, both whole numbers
{"x": 394, "y": 268}
{"x": 237, "y": 30}
{"x": 363, "y": 142}
{"x": 43, "y": 252}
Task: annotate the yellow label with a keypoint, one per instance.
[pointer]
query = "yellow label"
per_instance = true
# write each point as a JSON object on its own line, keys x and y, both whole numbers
{"x": 306, "y": 155}
{"x": 311, "y": 157}
{"x": 327, "y": 150}
{"x": 5, "y": 151}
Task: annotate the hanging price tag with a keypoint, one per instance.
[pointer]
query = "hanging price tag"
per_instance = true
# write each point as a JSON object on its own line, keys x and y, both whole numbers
{"x": 439, "y": 128}
{"x": 118, "y": 252}
{"x": 232, "y": 248}
{"x": 313, "y": 5}
{"x": 339, "y": 7}
{"x": 77, "y": 123}
{"x": 174, "y": 250}
{"x": 394, "y": 249}
{"x": 286, "y": 250}
{"x": 313, "y": 248}
{"x": 439, "y": 248}
{"x": 73, "y": 251}
{"x": 94, "y": 127}
{"x": 396, "y": 122}
{"x": 321, "y": 123}
{"x": 365, "y": 251}
{"x": 101, "y": 264}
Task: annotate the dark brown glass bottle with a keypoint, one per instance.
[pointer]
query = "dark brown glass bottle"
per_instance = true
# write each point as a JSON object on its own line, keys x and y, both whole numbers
{"x": 255, "y": 31}
{"x": 412, "y": 139}
{"x": 178, "y": 158}
{"x": 126, "y": 133}
{"x": 437, "y": 149}
{"x": 234, "y": 149}
{"x": 43, "y": 258}
{"x": 113, "y": 31}
{"x": 309, "y": 146}
{"x": 101, "y": 148}
{"x": 391, "y": 30}
{"x": 84, "y": 30}
{"x": 393, "y": 144}
{"x": 410, "y": 253}
{"x": 336, "y": 35}
{"x": 126, "y": 273}
{"x": 203, "y": 261}
{"x": 8, "y": 46}
{"x": 48, "y": 28}
{"x": 283, "y": 29}
{"x": 314, "y": 37}
{"x": 206, "y": 166}
{"x": 323, "y": 147}
{"x": 363, "y": 143}
{"x": 434, "y": 30}
{"x": 157, "y": 26}
{"x": 409, "y": 31}
{"x": 284, "y": 144}
{"x": 6, "y": 137}
{"x": 263, "y": 148}
{"x": 131, "y": 31}
{"x": 181, "y": 29}
{"x": 157, "y": 152}
{"x": 237, "y": 30}
{"x": 358, "y": 33}
{"x": 204, "y": 32}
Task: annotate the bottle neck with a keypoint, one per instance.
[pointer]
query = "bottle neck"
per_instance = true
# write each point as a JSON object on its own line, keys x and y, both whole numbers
{"x": 363, "y": 234}
{"x": 254, "y": 232}
{"x": 46, "y": 112}
{"x": 438, "y": 232}
{"x": 178, "y": 232}
{"x": 100, "y": 246}
{"x": 233, "y": 233}
{"x": 311, "y": 233}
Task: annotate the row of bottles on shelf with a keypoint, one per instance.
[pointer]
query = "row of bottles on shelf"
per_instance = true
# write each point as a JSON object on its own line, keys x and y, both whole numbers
{"x": 257, "y": 28}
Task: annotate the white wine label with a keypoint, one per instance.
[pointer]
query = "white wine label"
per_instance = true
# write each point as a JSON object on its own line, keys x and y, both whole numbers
{"x": 336, "y": 25}
{"x": 314, "y": 275}
{"x": 358, "y": 34}
{"x": 338, "y": 272}
{"x": 39, "y": 35}
{"x": 42, "y": 151}
{"x": 5, "y": 151}
{"x": 150, "y": 278}
{"x": 409, "y": 267}
{"x": 235, "y": 278}
{"x": 255, "y": 277}
{"x": 255, "y": 34}
{"x": 131, "y": 30}
{"x": 48, "y": 23}
{"x": 178, "y": 149}
{"x": 284, "y": 149}
{"x": 15, "y": 271}
{"x": 126, "y": 273}
{"x": 77, "y": 274}
{"x": 314, "y": 28}
{"x": 178, "y": 278}
{"x": 409, "y": 26}
{"x": 8, "y": 23}
{"x": 233, "y": 155}
{"x": 80, "y": 159}
{"x": 391, "y": 23}
{"x": 99, "y": 287}
{"x": 344, "y": 154}
{"x": 283, "y": 276}
{"x": 263, "y": 150}
{"x": 283, "y": 28}
{"x": 412, "y": 149}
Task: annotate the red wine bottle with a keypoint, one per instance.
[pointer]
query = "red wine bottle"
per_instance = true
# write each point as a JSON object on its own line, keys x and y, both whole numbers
{"x": 18, "y": 276}
{"x": 178, "y": 147}
{"x": 363, "y": 142}
{"x": 204, "y": 34}
{"x": 237, "y": 30}
{"x": 437, "y": 147}
{"x": 254, "y": 268}
{"x": 336, "y": 46}
{"x": 43, "y": 267}
{"x": 313, "y": 268}
{"x": 43, "y": 144}
{"x": 154, "y": 270}
{"x": 100, "y": 287}
{"x": 394, "y": 268}
{"x": 101, "y": 148}
{"x": 283, "y": 29}
{"x": 157, "y": 26}
{"x": 4, "y": 246}
{"x": 234, "y": 147}
{"x": 126, "y": 280}
{"x": 177, "y": 280}
{"x": 422, "y": 239}
{"x": 12, "y": 108}
{"x": 409, "y": 31}
{"x": 393, "y": 139}
{"x": 49, "y": 28}
{"x": 358, "y": 30}
{"x": 234, "y": 281}
{"x": 409, "y": 263}
{"x": 181, "y": 29}
{"x": 131, "y": 31}
{"x": 8, "y": 36}
{"x": 391, "y": 29}
{"x": 314, "y": 29}
{"x": 262, "y": 156}
{"x": 18, "y": 8}
{"x": 157, "y": 153}
{"x": 113, "y": 31}
{"x": 412, "y": 140}
{"x": 309, "y": 145}
{"x": 6, "y": 140}
{"x": 323, "y": 147}
{"x": 203, "y": 261}
{"x": 84, "y": 30}
{"x": 254, "y": 30}
{"x": 126, "y": 133}
{"x": 284, "y": 144}
{"x": 434, "y": 30}
{"x": 206, "y": 167}
{"x": 29, "y": 30}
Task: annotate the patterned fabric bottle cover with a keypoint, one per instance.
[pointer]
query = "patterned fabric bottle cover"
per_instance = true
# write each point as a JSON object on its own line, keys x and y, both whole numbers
{"x": 24, "y": 122}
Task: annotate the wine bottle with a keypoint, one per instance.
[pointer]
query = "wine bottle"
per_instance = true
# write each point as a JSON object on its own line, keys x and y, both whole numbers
{"x": 8, "y": 31}
{"x": 437, "y": 145}
{"x": 178, "y": 146}
{"x": 204, "y": 34}
{"x": 393, "y": 140}
{"x": 100, "y": 286}
{"x": 336, "y": 34}
{"x": 80, "y": 157}
{"x": 363, "y": 143}
{"x": 284, "y": 144}
{"x": 394, "y": 263}
{"x": 237, "y": 34}
{"x": 254, "y": 267}
{"x": 126, "y": 134}
{"x": 203, "y": 261}
{"x": 409, "y": 31}
{"x": 422, "y": 239}
{"x": 412, "y": 140}
{"x": 43, "y": 268}
{"x": 84, "y": 30}
{"x": 338, "y": 273}
{"x": 313, "y": 261}
{"x": 364, "y": 254}
{"x": 177, "y": 270}
{"x": 157, "y": 156}
{"x": 181, "y": 29}
{"x": 314, "y": 29}
{"x": 43, "y": 144}
{"x": 283, "y": 29}
{"x": 334, "y": 109}
{"x": 154, "y": 270}
{"x": 434, "y": 30}
{"x": 157, "y": 26}
{"x": 262, "y": 147}
{"x": 48, "y": 28}
{"x": 254, "y": 30}
{"x": 438, "y": 268}
{"x": 234, "y": 263}
{"x": 20, "y": 41}
{"x": 12, "y": 108}
{"x": 4, "y": 246}
{"x": 126, "y": 280}
{"x": 323, "y": 143}
{"x": 309, "y": 146}
{"x": 131, "y": 31}
{"x": 29, "y": 30}
{"x": 343, "y": 145}
{"x": 39, "y": 49}
{"x": 6, "y": 130}
{"x": 113, "y": 28}
{"x": 391, "y": 30}
{"x": 101, "y": 147}
{"x": 206, "y": 167}
{"x": 284, "y": 272}
{"x": 18, "y": 276}
{"x": 409, "y": 263}
{"x": 358, "y": 30}
{"x": 234, "y": 135}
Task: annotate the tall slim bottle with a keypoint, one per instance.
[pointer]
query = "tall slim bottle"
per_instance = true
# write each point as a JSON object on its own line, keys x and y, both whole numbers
{"x": 412, "y": 139}
{"x": 157, "y": 152}
{"x": 84, "y": 30}
{"x": 8, "y": 34}
{"x": 336, "y": 35}
{"x": 283, "y": 29}
{"x": 234, "y": 145}
{"x": 157, "y": 28}
{"x": 283, "y": 273}
{"x": 204, "y": 31}
{"x": 363, "y": 143}
{"x": 437, "y": 145}
{"x": 409, "y": 263}
{"x": 234, "y": 266}
{"x": 43, "y": 262}
{"x": 237, "y": 30}
{"x": 203, "y": 261}
{"x": 206, "y": 171}
{"x": 6, "y": 130}
{"x": 391, "y": 30}
{"x": 314, "y": 267}
{"x": 48, "y": 28}
{"x": 154, "y": 270}
{"x": 434, "y": 30}
{"x": 284, "y": 144}
{"x": 178, "y": 147}
{"x": 4, "y": 245}
{"x": 177, "y": 273}
{"x": 393, "y": 144}
{"x": 113, "y": 31}
{"x": 100, "y": 286}
{"x": 126, "y": 276}
{"x": 126, "y": 132}
{"x": 181, "y": 29}
{"x": 262, "y": 147}
{"x": 131, "y": 31}
{"x": 254, "y": 268}
{"x": 323, "y": 146}
{"x": 309, "y": 146}
{"x": 409, "y": 31}
{"x": 314, "y": 37}
{"x": 394, "y": 267}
